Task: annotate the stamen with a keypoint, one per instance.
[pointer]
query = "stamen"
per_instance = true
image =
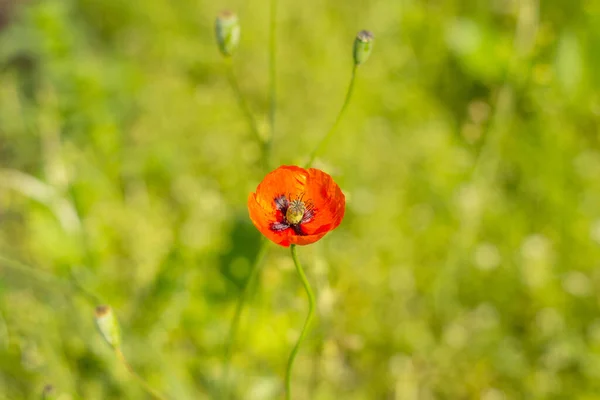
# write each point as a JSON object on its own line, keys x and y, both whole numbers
{"x": 281, "y": 202}
{"x": 279, "y": 226}
{"x": 295, "y": 212}
{"x": 308, "y": 215}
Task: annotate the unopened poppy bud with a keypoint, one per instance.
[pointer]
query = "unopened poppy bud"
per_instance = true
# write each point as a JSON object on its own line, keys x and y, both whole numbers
{"x": 49, "y": 393}
{"x": 362, "y": 46}
{"x": 227, "y": 30}
{"x": 108, "y": 325}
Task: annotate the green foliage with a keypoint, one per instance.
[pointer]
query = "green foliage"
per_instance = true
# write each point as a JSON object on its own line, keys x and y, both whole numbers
{"x": 467, "y": 263}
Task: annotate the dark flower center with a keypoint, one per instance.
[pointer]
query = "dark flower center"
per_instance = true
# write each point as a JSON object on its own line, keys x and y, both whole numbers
{"x": 293, "y": 213}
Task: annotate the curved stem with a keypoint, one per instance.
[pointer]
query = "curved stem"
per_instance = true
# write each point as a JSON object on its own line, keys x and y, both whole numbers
{"x": 235, "y": 322}
{"x": 323, "y": 143}
{"x": 311, "y": 310}
{"x": 272, "y": 75}
{"x": 233, "y": 82}
{"x": 135, "y": 375}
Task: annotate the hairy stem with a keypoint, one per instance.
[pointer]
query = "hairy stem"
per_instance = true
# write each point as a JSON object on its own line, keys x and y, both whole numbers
{"x": 325, "y": 140}
{"x": 311, "y": 310}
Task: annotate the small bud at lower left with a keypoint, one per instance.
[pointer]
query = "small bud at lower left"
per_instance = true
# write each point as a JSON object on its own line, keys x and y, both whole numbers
{"x": 227, "y": 30}
{"x": 108, "y": 325}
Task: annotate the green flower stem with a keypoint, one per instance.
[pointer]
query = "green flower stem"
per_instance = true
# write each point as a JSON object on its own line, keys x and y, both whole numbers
{"x": 311, "y": 310}
{"x": 245, "y": 109}
{"x": 235, "y": 322}
{"x": 272, "y": 75}
{"x": 152, "y": 392}
{"x": 325, "y": 141}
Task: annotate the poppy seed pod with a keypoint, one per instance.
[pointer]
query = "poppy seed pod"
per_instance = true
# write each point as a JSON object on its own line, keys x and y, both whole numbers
{"x": 362, "y": 46}
{"x": 227, "y": 30}
{"x": 108, "y": 326}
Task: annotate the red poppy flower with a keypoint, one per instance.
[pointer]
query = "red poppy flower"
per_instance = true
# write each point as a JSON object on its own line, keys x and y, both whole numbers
{"x": 293, "y": 205}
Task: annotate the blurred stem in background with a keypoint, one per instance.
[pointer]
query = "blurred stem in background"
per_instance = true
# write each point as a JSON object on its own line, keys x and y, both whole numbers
{"x": 325, "y": 140}
{"x": 311, "y": 310}
{"x": 56, "y": 193}
{"x": 483, "y": 176}
{"x": 227, "y": 32}
{"x": 272, "y": 78}
{"x": 363, "y": 44}
{"x": 63, "y": 210}
{"x": 109, "y": 328}
{"x": 247, "y": 112}
{"x": 235, "y": 322}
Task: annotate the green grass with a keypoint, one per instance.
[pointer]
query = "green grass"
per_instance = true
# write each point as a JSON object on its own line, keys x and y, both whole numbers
{"x": 467, "y": 263}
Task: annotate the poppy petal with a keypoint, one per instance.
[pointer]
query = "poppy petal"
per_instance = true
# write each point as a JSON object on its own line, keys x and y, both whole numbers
{"x": 284, "y": 180}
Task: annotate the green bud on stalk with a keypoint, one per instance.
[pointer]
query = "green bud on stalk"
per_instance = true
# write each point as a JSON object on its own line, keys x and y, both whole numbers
{"x": 362, "y": 46}
{"x": 227, "y": 30}
{"x": 108, "y": 326}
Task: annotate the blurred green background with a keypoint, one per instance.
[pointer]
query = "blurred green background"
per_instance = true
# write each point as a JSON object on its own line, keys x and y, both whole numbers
{"x": 467, "y": 266}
